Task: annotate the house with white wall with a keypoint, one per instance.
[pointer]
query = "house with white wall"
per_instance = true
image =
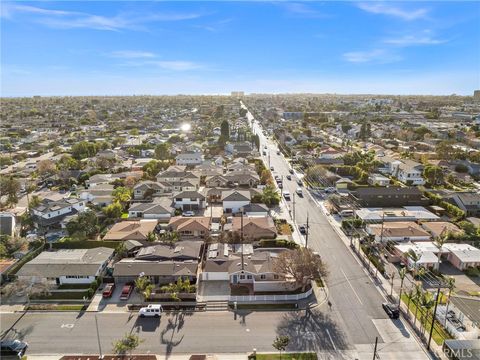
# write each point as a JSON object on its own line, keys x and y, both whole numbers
{"x": 234, "y": 200}
{"x": 189, "y": 200}
{"x": 189, "y": 159}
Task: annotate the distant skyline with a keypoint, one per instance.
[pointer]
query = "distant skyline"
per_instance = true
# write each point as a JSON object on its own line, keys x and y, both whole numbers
{"x": 155, "y": 48}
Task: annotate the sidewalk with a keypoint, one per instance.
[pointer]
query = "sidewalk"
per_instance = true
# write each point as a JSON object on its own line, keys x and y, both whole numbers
{"x": 233, "y": 356}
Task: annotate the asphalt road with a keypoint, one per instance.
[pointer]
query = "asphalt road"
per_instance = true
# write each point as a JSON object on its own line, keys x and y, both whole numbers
{"x": 201, "y": 332}
{"x": 355, "y": 299}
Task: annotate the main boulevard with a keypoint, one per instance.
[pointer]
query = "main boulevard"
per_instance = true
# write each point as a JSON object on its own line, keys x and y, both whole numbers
{"x": 346, "y": 330}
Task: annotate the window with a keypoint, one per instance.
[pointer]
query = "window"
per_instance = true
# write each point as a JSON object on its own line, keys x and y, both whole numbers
{"x": 249, "y": 277}
{"x": 178, "y": 199}
{"x": 275, "y": 277}
{"x": 242, "y": 277}
{"x": 262, "y": 277}
{"x": 193, "y": 199}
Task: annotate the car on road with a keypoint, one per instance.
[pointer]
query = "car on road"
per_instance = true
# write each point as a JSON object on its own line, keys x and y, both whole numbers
{"x": 264, "y": 153}
{"x": 12, "y": 348}
{"x": 188, "y": 213}
{"x": 152, "y": 310}
{"x": 392, "y": 310}
{"x": 278, "y": 152}
{"x": 108, "y": 290}
{"x": 289, "y": 177}
{"x": 291, "y": 171}
{"x": 286, "y": 195}
{"x": 299, "y": 182}
{"x": 302, "y": 229}
{"x": 126, "y": 291}
{"x": 280, "y": 185}
{"x": 271, "y": 168}
{"x": 299, "y": 192}
{"x": 330, "y": 190}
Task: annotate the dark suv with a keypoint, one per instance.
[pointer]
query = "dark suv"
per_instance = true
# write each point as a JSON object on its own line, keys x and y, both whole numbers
{"x": 392, "y": 310}
{"x": 12, "y": 348}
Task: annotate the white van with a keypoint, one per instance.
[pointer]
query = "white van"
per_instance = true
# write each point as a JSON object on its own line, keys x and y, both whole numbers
{"x": 346, "y": 213}
{"x": 151, "y": 311}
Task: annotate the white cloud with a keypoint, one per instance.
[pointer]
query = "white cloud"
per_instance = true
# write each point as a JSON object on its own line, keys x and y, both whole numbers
{"x": 176, "y": 65}
{"x": 74, "y": 20}
{"x": 380, "y": 56}
{"x": 132, "y": 54}
{"x": 411, "y": 40}
{"x": 300, "y": 9}
{"x": 388, "y": 9}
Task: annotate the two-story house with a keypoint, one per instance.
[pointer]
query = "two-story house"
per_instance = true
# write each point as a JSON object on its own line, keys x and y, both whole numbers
{"x": 52, "y": 213}
{"x": 234, "y": 200}
{"x": 189, "y": 200}
{"x": 189, "y": 159}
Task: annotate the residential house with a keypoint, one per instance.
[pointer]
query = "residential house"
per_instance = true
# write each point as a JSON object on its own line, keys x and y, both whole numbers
{"x": 427, "y": 251}
{"x": 463, "y": 256}
{"x": 189, "y": 159}
{"x": 100, "y": 195}
{"x": 400, "y": 231}
{"x": 99, "y": 179}
{"x": 442, "y": 228}
{"x": 406, "y": 213}
{"x": 407, "y": 171}
{"x": 159, "y": 272}
{"x": 72, "y": 266}
{"x": 468, "y": 202}
{"x": 52, "y": 213}
{"x": 147, "y": 189}
{"x": 378, "y": 180}
{"x": 196, "y": 227}
{"x": 390, "y": 196}
{"x": 131, "y": 230}
{"x": 254, "y": 227}
{"x": 234, "y": 200}
{"x": 244, "y": 178}
{"x": 251, "y": 210}
{"x": 257, "y": 273}
{"x": 216, "y": 181}
{"x": 179, "y": 251}
{"x": 243, "y": 149}
{"x": 189, "y": 200}
{"x": 159, "y": 209}
{"x": 178, "y": 173}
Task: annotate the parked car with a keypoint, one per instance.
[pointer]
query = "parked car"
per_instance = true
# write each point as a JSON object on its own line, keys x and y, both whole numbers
{"x": 278, "y": 152}
{"x": 330, "y": 190}
{"x": 302, "y": 229}
{"x": 126, "y": 292}
{"x": 391, "y": 310}
{"x": 271, "y": 168}
{"x": 152, "y": 310}
{"x": 299, "y": 192}
{"x": 280, "y": 185}
{"x": 299, "y": 182}
{"x": 291, "y": 171}
{"x": 108, "y": 290}
{"x": 13, "y": 348}
{"x": 264, "y": 153}
{"x": 188, "y": 213}
{"x": 286, "y": 195}
{"x": 289, "y": 177}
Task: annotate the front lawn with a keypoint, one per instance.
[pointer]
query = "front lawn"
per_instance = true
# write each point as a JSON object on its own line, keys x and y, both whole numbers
{"x": 54, "y": 307}
{"x": 286, "y": 356}
{"x": 439, "y": 333}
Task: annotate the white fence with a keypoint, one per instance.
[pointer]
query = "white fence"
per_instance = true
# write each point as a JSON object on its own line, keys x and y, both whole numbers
{"x": 252, "y": 298}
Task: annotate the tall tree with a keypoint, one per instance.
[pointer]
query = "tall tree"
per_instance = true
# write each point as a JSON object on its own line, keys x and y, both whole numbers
{"x": 9, "y": 186}
{"x": 225, "y": 130}
{"x": 281, "y": 343}
{"x": 301, "y": 264}
{"x": 162, "y": 151}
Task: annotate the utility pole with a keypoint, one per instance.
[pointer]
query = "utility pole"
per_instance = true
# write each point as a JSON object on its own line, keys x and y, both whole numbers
{"x": 241, "y": 236}
{"x": 375, "y": 349}
{"x": 433, "y": 317}
{"x": 269, "y": 166}
{"x": 98, "y": 338}
{"x": 281, "y": 181}
{"x": 381, "y": 232}
{"x": 306, "y": 235}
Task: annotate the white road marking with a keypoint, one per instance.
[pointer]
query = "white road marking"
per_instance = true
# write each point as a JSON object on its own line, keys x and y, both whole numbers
{"x": 349, "y": 283}
{"x": 68, "y": 326}
{"x": 331, "y": 340}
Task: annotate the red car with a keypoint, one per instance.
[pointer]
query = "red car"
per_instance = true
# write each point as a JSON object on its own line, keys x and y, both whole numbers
{"x": 108, "y": 291}
{"x": 126, "y": 291}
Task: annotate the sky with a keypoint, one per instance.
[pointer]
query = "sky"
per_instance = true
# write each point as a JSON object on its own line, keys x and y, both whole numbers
{"x": 154, "y": 48}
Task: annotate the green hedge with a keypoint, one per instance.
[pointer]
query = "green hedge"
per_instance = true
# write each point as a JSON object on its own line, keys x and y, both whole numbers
{"x": 32, "y": 254}
{"x": 278, "y": 243}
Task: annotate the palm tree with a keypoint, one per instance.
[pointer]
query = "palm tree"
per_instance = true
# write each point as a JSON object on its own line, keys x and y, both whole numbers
{"x": 451, "y": 287}
{"x": 427, "y": 301}
{"x": 417, "y": 295}
{"x": 409, "y": 295}
{"x": 439, "y": 242}
{"x": 402, "y": 273}
{"x": 415, "y": 258}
